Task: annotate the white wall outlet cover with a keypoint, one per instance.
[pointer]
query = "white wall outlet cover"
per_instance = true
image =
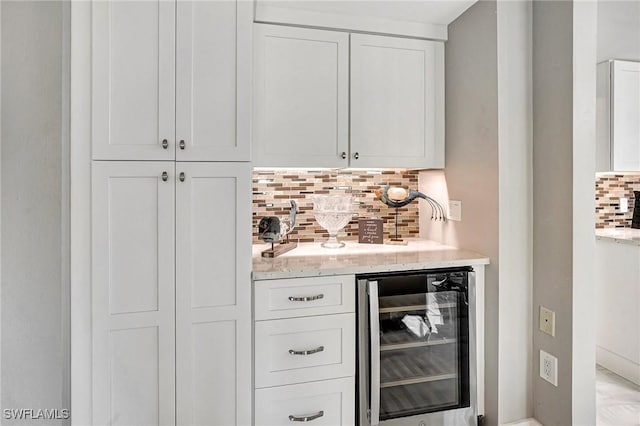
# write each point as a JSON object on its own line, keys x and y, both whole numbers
{"x": 455, "y": 210}
{"x": 547, "y": 321}
{"x": 624, "y": 205}
{"x": 549, "y": 368}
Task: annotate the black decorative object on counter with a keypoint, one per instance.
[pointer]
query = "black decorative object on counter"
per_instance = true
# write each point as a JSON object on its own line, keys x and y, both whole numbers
{"x": 397, "y": 197}
{"x": 273, "y": 230}
{"x": 635, "y": 222}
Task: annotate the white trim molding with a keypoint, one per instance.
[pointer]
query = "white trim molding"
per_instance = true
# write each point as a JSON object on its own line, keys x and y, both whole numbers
{"x": 267, "y": 13}
{"x": 80, "y": 214}
{"x": 622, "y": 366}
{"x": 525, "y": 422}
{"x": 0, "y": 199}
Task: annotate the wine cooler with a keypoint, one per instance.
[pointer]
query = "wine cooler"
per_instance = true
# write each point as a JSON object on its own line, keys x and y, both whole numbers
{"x": 416, "y": 348}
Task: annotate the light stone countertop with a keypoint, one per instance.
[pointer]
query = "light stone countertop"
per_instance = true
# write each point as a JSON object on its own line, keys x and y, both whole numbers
{"x": 619, "y": 235}
{"x": 312, "y": 260}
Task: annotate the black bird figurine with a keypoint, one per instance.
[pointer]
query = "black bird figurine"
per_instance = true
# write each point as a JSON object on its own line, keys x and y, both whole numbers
{"x": 273, "y": 230}
{"x": 397, "y": 197}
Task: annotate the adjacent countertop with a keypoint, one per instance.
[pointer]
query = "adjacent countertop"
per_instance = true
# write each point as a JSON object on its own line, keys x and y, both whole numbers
{"x": 619, "y": 235}
{"x": 311, "y": 260}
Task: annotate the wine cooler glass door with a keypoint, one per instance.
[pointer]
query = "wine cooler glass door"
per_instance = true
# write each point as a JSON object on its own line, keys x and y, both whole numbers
{"x": 419, "y": 344}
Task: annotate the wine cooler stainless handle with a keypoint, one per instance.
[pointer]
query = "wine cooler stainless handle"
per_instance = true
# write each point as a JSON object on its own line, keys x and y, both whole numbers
{"x": 309, "y": 352}
{"x": 306, "y": 298}
{"x": 374, "y": 326}
{"x": 308, "y": 418}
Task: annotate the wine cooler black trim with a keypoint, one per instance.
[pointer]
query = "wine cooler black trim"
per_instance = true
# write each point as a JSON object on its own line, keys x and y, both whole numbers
{"x": 412, "y": 272}
{"x": 463, "y": 334}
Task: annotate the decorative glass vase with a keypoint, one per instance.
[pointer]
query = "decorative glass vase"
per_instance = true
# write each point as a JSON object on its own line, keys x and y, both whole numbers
{"x": 333, "y": 212}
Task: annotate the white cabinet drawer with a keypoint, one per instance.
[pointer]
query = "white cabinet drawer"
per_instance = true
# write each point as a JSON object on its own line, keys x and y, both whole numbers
{"x": 301, "y": 297}
{"x": 304, "y": 349}
{"x": 331, "y": 402}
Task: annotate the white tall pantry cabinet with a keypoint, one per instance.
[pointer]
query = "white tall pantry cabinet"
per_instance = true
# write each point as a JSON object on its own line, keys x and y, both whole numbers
{"x": 133, "y": 287}
{"x": 161, "y": 131}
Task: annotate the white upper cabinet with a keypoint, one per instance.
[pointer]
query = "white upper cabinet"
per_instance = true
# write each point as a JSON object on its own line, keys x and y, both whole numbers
{"x": 171, "y": 80}
{"x": 397, "y": 102}
{"x": 618, "y": 116}
{"x": 301, "y": 97}
{"x": 213, "y": 294}
{"x": 133, "y": 80}
{"x": 213, "y": 80}
{"x": 306, "y": 79}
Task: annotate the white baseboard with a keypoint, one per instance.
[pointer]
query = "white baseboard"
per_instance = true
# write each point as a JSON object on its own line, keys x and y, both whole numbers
{"x": 525, "y": 422}
{"x": 619, "y": 365}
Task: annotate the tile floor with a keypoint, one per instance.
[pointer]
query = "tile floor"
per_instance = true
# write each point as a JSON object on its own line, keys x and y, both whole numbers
{"x": 617, "y": 400}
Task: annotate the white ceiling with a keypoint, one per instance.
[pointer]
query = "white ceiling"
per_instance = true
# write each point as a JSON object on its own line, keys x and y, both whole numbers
{"x": 424, "y": 11}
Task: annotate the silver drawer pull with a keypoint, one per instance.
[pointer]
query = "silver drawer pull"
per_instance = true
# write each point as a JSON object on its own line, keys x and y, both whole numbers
{"x": 309, "y": 352}
{"x": 306, "y": 298}
{"x": 308, "y": 418}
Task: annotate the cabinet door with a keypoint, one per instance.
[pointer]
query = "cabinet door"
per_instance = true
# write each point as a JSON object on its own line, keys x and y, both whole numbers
{"x": 213, "y": 80}
{"x": 301, "y": 97}
{"x": 213, "y": 305}
{"x": 625, "y": 129}
{"x": 133, "y": 80}
{"x": 397, "y": 102}
{"x": 133, "y": 293}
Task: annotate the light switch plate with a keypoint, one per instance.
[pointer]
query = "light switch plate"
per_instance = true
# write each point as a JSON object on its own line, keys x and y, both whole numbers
{"x": 455, "y": 210}
{"x": 624, "y": 205}
{"x": 547, "y": 321}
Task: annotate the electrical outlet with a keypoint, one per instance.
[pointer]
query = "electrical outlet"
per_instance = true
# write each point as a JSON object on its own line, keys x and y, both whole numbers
{"x": 549, "y": 368}
{"x": 455, "y": 210}
{"x": 547, "y": 321}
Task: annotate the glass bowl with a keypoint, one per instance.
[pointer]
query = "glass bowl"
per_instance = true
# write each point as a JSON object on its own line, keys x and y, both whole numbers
{"x": 332, "y": 212}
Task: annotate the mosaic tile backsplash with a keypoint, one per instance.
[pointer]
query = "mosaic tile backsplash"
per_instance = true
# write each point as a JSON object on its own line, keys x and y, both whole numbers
{"x": 609, "y": 189}
{"x": 272, "y": 190}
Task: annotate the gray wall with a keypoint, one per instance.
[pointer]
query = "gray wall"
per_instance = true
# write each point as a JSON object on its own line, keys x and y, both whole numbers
{"x": 553, "y": 204}
{"x": 489, "y": 168}
{"x": 35, "y": 314}
{"x": 564, "y": 57}
{"x": 515, "y": 116}
{"x": 471, "y": 173}
{"x": 618, "y": 30}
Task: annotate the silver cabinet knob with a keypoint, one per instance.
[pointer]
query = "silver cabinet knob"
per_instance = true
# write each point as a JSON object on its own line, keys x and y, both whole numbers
{"x": 165, "y": 144}
{"x": 343, "y": 155}
{"x": 181, "y": 144}
{"x": 165, "y": 176}
{"x": 181, "y": 176}
{"x": 356, "y": 155}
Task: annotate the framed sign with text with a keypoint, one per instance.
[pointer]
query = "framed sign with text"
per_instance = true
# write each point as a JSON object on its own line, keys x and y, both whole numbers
{"x": 370, "y": 231}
